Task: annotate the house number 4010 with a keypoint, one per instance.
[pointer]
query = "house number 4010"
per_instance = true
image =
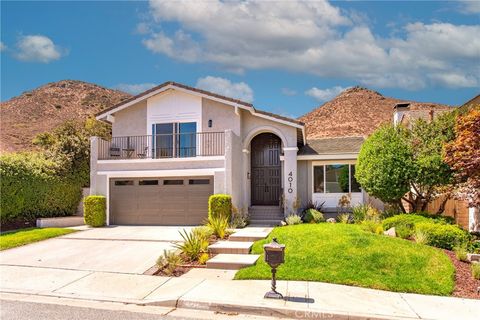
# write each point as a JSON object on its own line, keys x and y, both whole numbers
{"x": 290, "y": 181}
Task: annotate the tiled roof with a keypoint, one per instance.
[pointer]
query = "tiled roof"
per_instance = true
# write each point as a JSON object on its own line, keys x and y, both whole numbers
{"x": 334, "y": 145}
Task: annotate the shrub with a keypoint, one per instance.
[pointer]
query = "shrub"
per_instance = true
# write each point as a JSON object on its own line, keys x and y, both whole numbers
{"x": 203, "y": 258}
{"x": 404, "y": 224}
{"x": 169, "y": 261}
{"x": 461, "y": 252}
{"x": 192, "y": 245}
{"x": 239, "y": 218}
{"x": 313, "y": 216}
{"x": 476, "y": 270}
{"x": 443, "y": 236}
{"x": 343, "y": 218}
{"x": 406, "y": 232}
{"x": 372, "y": 226}
{"x": 94, "y": 210}
{"x": 313, "y": 205}
{"x": 219, "y": 226}
{"x": 220, "y": 205}
{"x": 293, "y": 219}
{"x": 203, "y": 232}
{"x": 32, "y": 188}
{"x": 359, "y": 212}
{"x": 421, "y": 237}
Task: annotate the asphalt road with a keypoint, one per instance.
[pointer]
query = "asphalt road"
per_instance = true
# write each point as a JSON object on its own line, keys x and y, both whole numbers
{"x": 22, "y": 310}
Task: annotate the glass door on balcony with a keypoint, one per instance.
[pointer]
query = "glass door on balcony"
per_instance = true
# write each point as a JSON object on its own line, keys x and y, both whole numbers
{"x": 163, "y": 140}
{"x": 187, "y": 144}
{"x": 174, "y": 140}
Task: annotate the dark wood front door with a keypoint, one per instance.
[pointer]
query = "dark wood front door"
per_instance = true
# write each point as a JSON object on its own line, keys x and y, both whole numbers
{"x": 266, "y": 169}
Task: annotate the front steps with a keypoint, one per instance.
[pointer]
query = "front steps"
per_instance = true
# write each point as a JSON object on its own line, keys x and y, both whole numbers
{"x": 233, "y": 247}
{"x": 265, "y": 215}
{"x": 233, "y": 254}
{"x": 232, "y": 261}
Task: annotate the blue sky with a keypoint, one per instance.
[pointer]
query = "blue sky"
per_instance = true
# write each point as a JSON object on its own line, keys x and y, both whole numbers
{"x": 287, "y": 57}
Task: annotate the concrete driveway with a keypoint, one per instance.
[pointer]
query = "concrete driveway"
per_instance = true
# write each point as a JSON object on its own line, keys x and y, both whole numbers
{"x": 123, "y": 249}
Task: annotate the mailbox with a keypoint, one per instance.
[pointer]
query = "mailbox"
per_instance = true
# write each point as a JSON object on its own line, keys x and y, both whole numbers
{"x": 274, "y": 256}
{"x": 274, "y": 253}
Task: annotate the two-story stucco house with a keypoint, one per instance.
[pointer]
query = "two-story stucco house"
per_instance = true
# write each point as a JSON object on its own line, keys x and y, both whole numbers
{"x": 173, "y": 146}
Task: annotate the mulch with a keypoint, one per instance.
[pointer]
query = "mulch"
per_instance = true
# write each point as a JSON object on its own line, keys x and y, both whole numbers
{"x": 18, "y": 224}
{"x": 465, "y": 285}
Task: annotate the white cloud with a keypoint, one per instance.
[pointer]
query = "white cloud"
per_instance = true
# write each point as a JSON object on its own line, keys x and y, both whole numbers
{"x": 324, "y": 94}
{"x": 314, "y": 37}
{"x": 469, "y": 6}
{"x": 288, "y": 92}
{"x": 38, "y": 48}
{"x": 225, "y": 87}
{"x": 134, "y": 88}
{"x": 142, "y": 28}
{"x": 2, "y": 46}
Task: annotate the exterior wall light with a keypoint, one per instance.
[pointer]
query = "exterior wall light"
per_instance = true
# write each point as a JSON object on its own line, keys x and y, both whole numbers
{"x": 210, "y": 123}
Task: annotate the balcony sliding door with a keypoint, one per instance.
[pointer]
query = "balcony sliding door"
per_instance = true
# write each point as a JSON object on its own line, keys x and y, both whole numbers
{"x": 174, "y": 139}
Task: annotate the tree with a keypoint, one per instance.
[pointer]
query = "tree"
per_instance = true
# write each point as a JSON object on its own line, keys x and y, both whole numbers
{"x": 397, "y": 164}
{"x": 69, "y": 146}
{"x": 385, "y": 164}
{"x": 463, "y": 155}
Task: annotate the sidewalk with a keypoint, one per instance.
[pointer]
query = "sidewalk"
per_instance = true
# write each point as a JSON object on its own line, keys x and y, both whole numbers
{"x": 303, "y": 300}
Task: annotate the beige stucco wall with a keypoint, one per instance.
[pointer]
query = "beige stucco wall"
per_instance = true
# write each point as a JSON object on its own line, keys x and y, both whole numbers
{"x": 222, "y": 115}
{"x": 171, "y": 164}
{"x": 131, "y": 121}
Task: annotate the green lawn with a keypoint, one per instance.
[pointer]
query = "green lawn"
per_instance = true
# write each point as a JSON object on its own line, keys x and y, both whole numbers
{"x": 25, "y": 236}
{"x": 345, "y": 254}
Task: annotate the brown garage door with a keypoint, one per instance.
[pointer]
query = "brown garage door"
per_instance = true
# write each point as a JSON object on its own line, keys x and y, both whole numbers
{"x": 160, "y": 201}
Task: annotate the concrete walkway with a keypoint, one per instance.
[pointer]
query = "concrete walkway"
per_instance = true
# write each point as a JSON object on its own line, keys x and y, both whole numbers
{"x": 205, "y": 291}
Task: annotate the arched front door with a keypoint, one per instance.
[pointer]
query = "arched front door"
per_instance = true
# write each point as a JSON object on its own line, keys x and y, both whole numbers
{"x": 266, "y": 169}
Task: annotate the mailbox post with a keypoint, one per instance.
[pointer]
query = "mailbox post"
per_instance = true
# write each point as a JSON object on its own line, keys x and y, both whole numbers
{"x": 274, "y": 256}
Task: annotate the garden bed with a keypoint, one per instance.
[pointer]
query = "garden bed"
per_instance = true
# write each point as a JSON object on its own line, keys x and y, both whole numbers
{"x": 465, "y": 285}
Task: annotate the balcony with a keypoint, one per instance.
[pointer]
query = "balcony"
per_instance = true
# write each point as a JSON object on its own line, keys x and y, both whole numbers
{"x": 163, "y": 146}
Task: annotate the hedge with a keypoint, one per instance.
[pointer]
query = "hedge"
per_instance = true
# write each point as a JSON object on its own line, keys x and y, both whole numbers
{"x": 94, "y": 212}
{"x": 32, "y": 188}
{"x": 220, "y": 205}
{"x": 444, "y": 236}
{"x": 404, "y": 224}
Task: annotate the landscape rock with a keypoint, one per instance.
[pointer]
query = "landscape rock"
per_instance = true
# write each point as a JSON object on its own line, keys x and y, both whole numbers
{"x": 390, "y": 232}
{"x": 331, "y": 220}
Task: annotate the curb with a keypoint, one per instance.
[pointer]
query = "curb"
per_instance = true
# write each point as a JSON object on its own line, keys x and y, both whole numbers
{"x": 278, "y": 311}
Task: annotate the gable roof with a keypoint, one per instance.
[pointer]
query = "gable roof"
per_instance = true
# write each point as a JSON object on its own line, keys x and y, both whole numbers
{"x": 175, "y": 85}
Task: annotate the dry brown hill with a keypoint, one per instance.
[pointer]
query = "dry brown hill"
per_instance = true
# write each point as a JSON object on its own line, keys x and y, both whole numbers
{"x": 48, "y": 106}
{"x": 356, "y": 112}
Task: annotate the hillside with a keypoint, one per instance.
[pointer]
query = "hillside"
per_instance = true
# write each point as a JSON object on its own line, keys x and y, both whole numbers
{"x": 48, "y": 106}
{"x": 356, "y": 112}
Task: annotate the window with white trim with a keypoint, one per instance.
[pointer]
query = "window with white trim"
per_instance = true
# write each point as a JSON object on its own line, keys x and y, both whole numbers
{"x": 335, "y": 178}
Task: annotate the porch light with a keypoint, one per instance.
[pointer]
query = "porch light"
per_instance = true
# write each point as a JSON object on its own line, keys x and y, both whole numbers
{"x": 274, "y": 257}
{"x": 210, "y": 123}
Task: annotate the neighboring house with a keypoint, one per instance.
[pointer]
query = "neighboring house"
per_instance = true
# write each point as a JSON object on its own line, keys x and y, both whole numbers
{"x": 173, "y": 146}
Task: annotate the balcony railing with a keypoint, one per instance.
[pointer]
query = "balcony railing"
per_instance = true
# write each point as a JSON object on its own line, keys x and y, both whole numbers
{"x": 161, "y": 146}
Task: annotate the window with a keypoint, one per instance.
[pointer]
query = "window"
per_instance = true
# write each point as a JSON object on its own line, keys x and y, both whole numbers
{"x": 148, "y": 182}
{"x": 199, "y": 181}
{"x": 124, "y": 183}
{"x": 318, "y": 179}
{"x": 335, "y": 178}
{"x": 175, "y": 139}
{"x": 355, "y": 184}
{"x": 172, "y": 182}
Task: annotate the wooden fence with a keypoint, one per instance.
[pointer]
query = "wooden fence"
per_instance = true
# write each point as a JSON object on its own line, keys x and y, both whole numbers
{"x": 453, "y": 208}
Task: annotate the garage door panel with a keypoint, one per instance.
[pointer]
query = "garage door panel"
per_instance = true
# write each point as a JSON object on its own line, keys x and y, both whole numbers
{"x": 160, "y": 201}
